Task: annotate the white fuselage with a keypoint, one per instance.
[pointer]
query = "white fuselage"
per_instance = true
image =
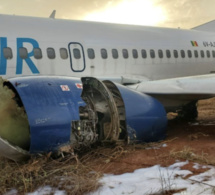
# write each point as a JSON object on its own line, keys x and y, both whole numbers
{"x": 145, "y": 49}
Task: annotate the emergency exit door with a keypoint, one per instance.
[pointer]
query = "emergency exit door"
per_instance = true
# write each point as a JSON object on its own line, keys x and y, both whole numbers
{"x": 77, "y": 58}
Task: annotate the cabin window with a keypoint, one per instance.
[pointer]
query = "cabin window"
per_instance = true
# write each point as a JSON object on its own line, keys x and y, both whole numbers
{"x": 125, "y": 53}
{"x": 196, "y": 53}
{"x": 168, "y": 53}
{"x": 76, "y": 53}
{"x": 202, "y": 53}
{"x": 23, "y": 53}
{"x": 51, "y": 53}
{"x": 63, "y": 53}
{"x": 189, "y": 53}
{"x": 37, "y": 53}
{"x": 115, "y": 53}
{"x": 104, "y": 53}
{"x": 175, "y": 52}
{"x": 160, "y": 53}
{"x": 208, "y": 54}
{"x": 152, "y": 53}
{"x": 144, "y": 53}
{"x": 7, "y": 51}
{"x": 91, "y": 53}
{"x": 213, "y": 53}
{"x": 182, "y": 54}
{"x": 134, "y": 53}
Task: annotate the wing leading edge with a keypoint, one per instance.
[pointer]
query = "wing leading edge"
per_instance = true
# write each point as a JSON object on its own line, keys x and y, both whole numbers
{"x": 176, "y": 92}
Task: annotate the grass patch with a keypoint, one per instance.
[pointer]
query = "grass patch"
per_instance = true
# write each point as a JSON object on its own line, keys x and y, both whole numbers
{"x": 72, "y": 173}
{"x": 187, "y": 153}
{"x": 67, "y": 173}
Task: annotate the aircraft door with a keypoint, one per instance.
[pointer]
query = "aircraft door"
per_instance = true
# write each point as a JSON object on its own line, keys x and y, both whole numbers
{"x": 77, "y": 58}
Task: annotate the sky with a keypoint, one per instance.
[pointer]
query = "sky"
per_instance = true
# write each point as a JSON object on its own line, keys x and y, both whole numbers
{"x": 167, "y": 13}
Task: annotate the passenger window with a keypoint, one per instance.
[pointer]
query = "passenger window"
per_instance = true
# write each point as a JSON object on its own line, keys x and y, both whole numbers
{"x": 63, "y": 53}
{"x": 202, "y": 53}
{"x": 196, "y": 53}
{"x": 152, "y": 53}
{"x": 189, "y": 53}
{"x": 160, "y": 53}
{"x": 125, "y": 53}
{"x": 182, "y": 54}
{"x": 208, "y": 54}
{"x": 76, "y": 53}
{"x": 175, "y": 53}
{"x": 37, "y": 53}
{"x": 115, "y": 53}
{"x": 134, "y": 53}
{"x": 144, "y": 53}
{"x": 213, "y": 53}
{"x": 168, "y": 53}
{"x": 23, "y": 53}
{"x": 51, "y": 53}
{"x": 104, "y": 53}
{"x": 91, "y": 53}
{"x": 7, "y": 51}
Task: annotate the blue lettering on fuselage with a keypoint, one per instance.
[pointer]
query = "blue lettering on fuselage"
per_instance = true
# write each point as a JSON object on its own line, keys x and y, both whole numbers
{"x": 19, "y": 61}
{"x": 3, "y": 62}
{"x": 19, "y": 64}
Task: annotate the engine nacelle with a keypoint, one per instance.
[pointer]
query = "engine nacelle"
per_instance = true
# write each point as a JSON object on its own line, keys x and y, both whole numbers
{"x": 63, "y": 111}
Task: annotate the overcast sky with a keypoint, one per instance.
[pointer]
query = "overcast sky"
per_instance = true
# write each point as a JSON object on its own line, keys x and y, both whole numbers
{"x": 168, "y": 13}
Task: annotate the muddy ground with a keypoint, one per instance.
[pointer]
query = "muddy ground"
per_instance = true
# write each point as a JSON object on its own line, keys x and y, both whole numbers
{"x": 185, "y": 141}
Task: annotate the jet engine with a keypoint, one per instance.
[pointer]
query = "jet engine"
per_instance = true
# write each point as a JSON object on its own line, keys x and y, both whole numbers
{"x": 64, "y": 111}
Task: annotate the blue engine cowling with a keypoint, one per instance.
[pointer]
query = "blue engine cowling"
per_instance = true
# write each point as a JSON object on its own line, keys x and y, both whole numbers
{"x": 146, "y": 119}
{"x": 65, "y": 111}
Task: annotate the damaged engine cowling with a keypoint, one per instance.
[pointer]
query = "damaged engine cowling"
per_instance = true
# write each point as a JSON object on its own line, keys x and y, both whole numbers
{"x": 63, "y": 111}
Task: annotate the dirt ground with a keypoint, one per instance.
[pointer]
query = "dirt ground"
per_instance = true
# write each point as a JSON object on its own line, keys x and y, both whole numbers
{"x": 194, "y": 142}
{"x": 185, "y": 141}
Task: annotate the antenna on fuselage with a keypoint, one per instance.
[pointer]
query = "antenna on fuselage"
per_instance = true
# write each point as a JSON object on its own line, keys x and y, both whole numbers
{"x": 53, "y": 14}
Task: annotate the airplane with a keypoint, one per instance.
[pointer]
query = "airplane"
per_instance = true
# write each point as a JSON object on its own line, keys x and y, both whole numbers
{"x": 80, "y": 82}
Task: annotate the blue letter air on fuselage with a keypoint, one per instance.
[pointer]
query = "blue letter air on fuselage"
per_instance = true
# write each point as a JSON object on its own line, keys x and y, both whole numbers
{"x": 19, "y": 64}
{"x": 3, "y": 62}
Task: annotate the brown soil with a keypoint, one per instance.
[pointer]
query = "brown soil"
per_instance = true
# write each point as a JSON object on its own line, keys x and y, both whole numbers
{"x": 194, "y": 142}
{"x": 185, "y": 141}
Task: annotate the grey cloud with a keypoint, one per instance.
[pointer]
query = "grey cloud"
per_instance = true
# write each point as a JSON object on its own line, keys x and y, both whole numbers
{"x": 79, "y": 9}
{"x": 179, "y": 13}
{"x": 187, "y": 13}
{"x": 74, "y": 9}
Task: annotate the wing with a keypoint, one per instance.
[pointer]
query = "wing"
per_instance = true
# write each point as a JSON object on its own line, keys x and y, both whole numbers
{"x": 173, "y": 93}
{"x": 209, "y": 27}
